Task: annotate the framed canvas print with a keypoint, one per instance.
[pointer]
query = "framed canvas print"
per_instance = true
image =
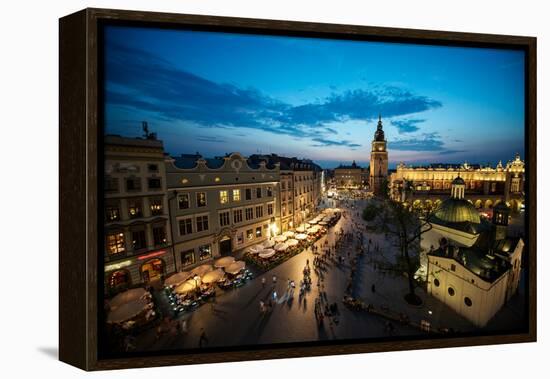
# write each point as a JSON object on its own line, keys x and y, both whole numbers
{"x": 238, "y": 189}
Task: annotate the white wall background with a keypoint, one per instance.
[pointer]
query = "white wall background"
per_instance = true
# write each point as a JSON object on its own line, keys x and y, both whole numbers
{"x": 28, "y": 210}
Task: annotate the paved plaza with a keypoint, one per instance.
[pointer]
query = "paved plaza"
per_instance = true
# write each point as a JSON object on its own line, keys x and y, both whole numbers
{"x": 234, "y": 317}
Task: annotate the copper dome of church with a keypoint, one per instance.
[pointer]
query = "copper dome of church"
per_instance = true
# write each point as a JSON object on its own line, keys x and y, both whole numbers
{"x": 454, "y": 210}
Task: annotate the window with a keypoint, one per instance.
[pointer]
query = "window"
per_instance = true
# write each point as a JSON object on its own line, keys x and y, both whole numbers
{"x": 133, "y": 184}
{"x": 202, "y": 223}
{"x": 436, "y": 282}
{"x": 283, "y": 185}
{"x": 156, "y": 206}
{"x": 154, "y": 183}
{"x": 183, "y": 201}
{"x": 187, "y": 257}
{"x": 453, "y": 267}
{"x": 240, "y": 238}
{"x": 134, "y": 208}
{"x": 248, "y": 194}
{"x": 258, "y": 231}
{"x": 224, "y": 197}
{"x": 205, "y": 252}
{"x": 201, "y": 199}
{"x": 153, "y": 167}
{"x": 259, "y": 211}
{"x": 269, "y": 209}
{"x": 237, "y": 216}
{"x": 115, "y": 243}
{"x": 138, "y": 240}
{"x": 249, "y": 214}
{"x": 269, "y": 192}
{"x": 249, "y": 234}
{"x": 186, "y": 226}
{"x": 159, "y": 235}
{"x": 110, "y": 185}
{"x": 468, "y": 301}
{"x": 284, "y": 210}
{"x": 236, "y": 195}
{"x": 112, "y": 212}
{"x": 451, "y": 291}
{"x": 224, "y": 218}
{"x": 259, "y": 192}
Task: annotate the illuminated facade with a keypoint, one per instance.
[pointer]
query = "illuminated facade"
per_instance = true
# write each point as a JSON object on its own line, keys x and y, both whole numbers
{"x": 220, "y": 205}
{"x": 472, "y": 265}
{"x": 349, "y": 177}
{"x": 137, "y": 247}
{"x": 378, "y": 174}
{"x": 427, "y": 186}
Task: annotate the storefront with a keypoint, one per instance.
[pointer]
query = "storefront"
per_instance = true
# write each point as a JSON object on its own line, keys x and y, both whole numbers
{"x": 152, "y": 270}
{"x": 119, "y": 280}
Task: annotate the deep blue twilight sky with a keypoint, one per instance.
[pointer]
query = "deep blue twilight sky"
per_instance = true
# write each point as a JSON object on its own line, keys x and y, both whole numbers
{"x": 216, "y": 93}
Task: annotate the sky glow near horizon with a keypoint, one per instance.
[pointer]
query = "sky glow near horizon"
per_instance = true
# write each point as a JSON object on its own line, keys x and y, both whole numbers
{"x": 216, "y": 93}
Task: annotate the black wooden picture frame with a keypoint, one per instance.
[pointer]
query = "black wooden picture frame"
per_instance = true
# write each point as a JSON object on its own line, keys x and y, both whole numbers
{"x": 80, "y": 156}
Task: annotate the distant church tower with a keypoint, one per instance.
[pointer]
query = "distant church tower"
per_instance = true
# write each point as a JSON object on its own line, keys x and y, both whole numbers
{"x": 378, "y": 160}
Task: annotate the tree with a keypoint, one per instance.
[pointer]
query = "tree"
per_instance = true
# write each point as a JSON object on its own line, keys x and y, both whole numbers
{"x": 407, "y": 225}
{"x": 371, "y": 211}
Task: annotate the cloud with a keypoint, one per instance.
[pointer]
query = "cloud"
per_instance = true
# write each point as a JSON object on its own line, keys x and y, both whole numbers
{"x": 210, "y": 139}
{"x": 138, "y": 81}
{"x": 425, "y": 142}
{"x": 449, "y": 152}
{"x": 321, "y": 142}
{"x": 407, "y": 125}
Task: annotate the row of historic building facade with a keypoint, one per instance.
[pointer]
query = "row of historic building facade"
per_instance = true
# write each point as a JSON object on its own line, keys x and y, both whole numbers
{"x": 165, "y": 214}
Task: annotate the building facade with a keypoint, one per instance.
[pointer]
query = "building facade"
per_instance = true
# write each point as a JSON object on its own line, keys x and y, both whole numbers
{"x": 137, "y": 245}
{"x": 349, "y": 176}
{"x": 378, "y": 174}
{"x": 220, "y": 205}
{"x": 472, "y": 265}
{"x": 427, "y": 186}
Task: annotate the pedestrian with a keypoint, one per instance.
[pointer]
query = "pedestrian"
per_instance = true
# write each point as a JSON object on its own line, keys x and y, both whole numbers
{"x": 373, "y": 288}
{"x": 274, "y": 279}
{"x": 203, "y": 339}
{"x": 263, "y": 281}
{"x": 183, "y": 326}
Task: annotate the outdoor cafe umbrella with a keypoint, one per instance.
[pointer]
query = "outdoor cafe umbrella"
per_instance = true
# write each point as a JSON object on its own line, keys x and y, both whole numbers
{"x": 235, "y": 267}
{"x": 224, "y": 262}
{"x": 301, "y": 236}
{"x": 127, "y": 296}
{"x": 268, "y": 243}
{"x": 323, "y": 223}
{"x": 177, "y": 278}
{"x": 292, "y": 242}
{"x": 201, "y": 270}
{"x": 255, "y": 249}
{"x": 281, "y": 246}
{"x": 187, "y": 286}
{"x": 267, "y": 253}
{"x": 213, "y": 276}
{"x": 289, "y": 233}
{"x": 281, "y": 238}
{"x": 127, "y": 311}
{"x": 313, "y": 230}
{"x": 312, "y": 222}
{"x": 300, "y": 229}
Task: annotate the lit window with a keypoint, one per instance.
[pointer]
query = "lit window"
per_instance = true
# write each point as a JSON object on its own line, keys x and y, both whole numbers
{"x": 224, "y": 197}
{"x": 258, "y": 231}
{"x": 134, "y": 208}
{"x": 115, "y": 243}
{"x": 156, "y": 206}
{"x": 187, "y": 257}
{"x": 249, "y": 234}
{"x": 205, "y": 252}
{"x": 236, "y": 195}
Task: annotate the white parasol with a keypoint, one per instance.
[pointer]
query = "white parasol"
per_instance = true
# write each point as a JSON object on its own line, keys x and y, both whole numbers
{"x": 127, "y": 296}
{"x": 223, "y": 262}
{"x": 281, "y": 238}
{"x": 289, "y": 233}
{"x": 213, "y": 276}
{"x": 235, "y": 267}
{"x": 201, "y": 270}
{"x": 177, "y": 278}
{"x": 281, "y": 246}
{"x": 268, "y": 243}
{"x": 292, "y": 242}
{"x": 301, "y": 236}
{"x": 127, "y": 311}
{"x": 187, "y": 286}
{"x": 267, "y": 253}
